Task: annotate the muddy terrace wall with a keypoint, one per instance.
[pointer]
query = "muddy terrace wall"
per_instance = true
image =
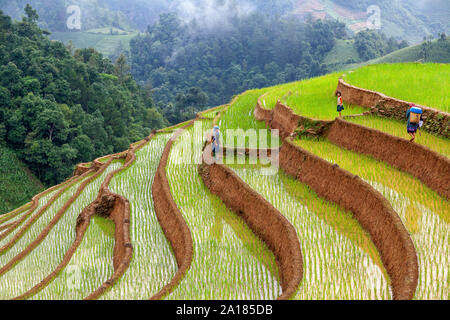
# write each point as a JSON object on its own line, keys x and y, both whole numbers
{"x": 432, "y": 168}
{"x": 437, "y": 122}
{"x": 171, "y": 220}
{"x": 284, "y": 119}
{"x": 262, "y": 218}
{"x": 368, "y": 206}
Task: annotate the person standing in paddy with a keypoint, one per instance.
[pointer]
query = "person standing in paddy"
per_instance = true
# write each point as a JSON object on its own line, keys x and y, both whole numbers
{"x": 215, "y": 141}
{"x": 340, "y": 103}
{"x": 412, "y": 125}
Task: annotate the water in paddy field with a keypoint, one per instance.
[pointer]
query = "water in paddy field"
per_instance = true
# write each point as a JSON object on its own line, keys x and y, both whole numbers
{"x": 41, "y": 261}
{"x": 430, "y": 235}
{"x": 229, "y": 261}
{"x": 153, "y": 264}
{"x": 334, "y": 266}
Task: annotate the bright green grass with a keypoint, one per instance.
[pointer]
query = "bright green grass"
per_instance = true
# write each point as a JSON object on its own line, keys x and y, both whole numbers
{"x": 425, "y": 84}
{"x": 40, "y": 262}
{"x": 424, "y": 213}
{"x": 213, "y": 113}
{"x": 313, "y": 98}
{"x": 398, "y": 128}
{"x": 339, "y": 260}
{"x": 153, "y": 264}
{"x": 240, "y": 116}
{"x": 229, "y": 261}
{"x": 175, "y": 127}
{"x": 17, "y": 184}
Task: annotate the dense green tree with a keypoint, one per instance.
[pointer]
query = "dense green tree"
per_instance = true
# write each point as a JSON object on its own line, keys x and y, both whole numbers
{"x": 173, "y": 56}
{"x": 57, "y": 109}
{"x": 371, "y": 44}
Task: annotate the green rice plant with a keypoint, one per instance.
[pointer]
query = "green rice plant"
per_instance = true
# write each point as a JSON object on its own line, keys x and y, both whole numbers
{"x": 425, "y": 84}
{"x": 8, "y": 217}
{"x": 398, "y": 128}
{"x": 240, "y": 116}
{"x": 229, "y": 262}
{"x": 424, "y": 213}
{"x": 212, "y": 112}
{"x": 313, "y": 98}
{"x": 50, "y": 252}
{"x": 42, "y": 202}
{"x": 89, "y": 268}
{"x": 153, "y": 264}
{"x": 17, "y": 215}
{"x": 36, "y": 227}
{"x": 339, "y": 259}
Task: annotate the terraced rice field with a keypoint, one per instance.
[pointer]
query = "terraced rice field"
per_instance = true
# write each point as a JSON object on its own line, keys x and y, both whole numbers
{"x": 313, "y": 98}
{"x": 340, "y": 261}
{"x": 91, "y": 265}
{"x": 425, "y": 84}
{"x": 229, "y": 262}
{"x": 153, "y": 264}
{"x": 7, "y": 238}
{"x": 44, "y": 259}
{"x": 424, "y": 213}
{"x": 239, "y": 116}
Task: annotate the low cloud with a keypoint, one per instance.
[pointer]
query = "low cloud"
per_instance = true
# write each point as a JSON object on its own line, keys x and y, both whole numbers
{"x": 211, "y": 14}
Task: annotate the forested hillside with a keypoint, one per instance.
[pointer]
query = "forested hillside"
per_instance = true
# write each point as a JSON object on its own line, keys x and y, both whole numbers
{"x": 59, "y": 108}
{"x": 208, "y": 64}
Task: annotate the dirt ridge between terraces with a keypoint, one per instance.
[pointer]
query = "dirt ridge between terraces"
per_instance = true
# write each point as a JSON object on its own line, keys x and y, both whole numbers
{"x": 171, "y": 220}
{"x": 436, "y": 121}
{"x": 261, "y": 217}
{"x": 369, "y": 207}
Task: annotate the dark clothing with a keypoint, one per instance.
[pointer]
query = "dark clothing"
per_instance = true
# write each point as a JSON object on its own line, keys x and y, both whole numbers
{"x": 340, "y": 108}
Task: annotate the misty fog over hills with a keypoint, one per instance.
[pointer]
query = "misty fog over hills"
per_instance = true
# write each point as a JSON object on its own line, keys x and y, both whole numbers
{"x": 403, "y": 19}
